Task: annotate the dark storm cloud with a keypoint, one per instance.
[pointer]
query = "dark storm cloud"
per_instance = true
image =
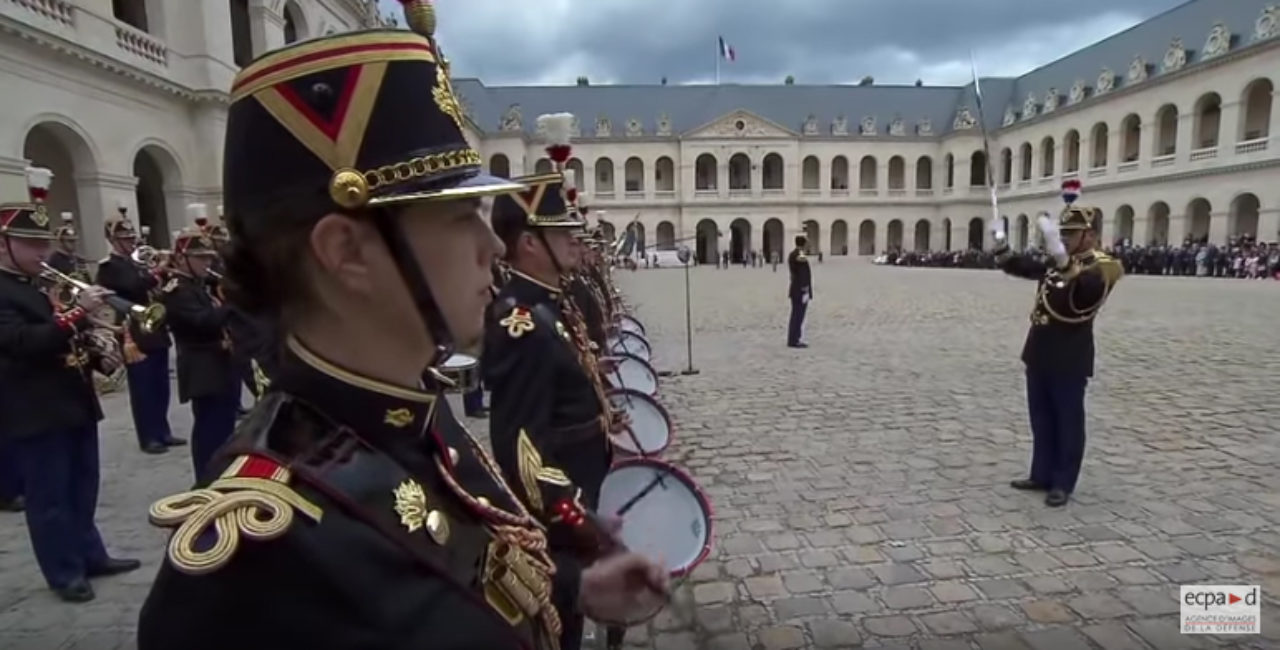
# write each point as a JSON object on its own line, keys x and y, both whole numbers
{"x": 817, "y": 41}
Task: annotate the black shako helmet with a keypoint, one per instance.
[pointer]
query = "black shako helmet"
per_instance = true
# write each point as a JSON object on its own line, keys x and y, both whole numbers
{"x": 352, "y": 123}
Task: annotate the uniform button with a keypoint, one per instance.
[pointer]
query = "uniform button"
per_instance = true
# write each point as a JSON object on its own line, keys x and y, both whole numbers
{"x": 438, "y": 527}
{"x": 453, "y": 456}
{"x": 484, "y": 501}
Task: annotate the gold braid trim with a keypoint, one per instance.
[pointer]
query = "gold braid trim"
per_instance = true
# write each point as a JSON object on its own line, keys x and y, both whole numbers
{"x": 261, "y": 510}
{"x": 587, "y": 358}
{"x": 428, "y": 165}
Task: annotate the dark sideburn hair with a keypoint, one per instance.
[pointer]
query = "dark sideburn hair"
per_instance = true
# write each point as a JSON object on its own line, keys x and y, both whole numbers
{"x": 265, "y": 274}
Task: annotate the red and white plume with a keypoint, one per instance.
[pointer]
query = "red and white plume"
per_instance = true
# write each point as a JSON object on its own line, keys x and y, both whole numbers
{"x": 38, "y": 181}
{"x": 198, "y": 214}
{"x": 1070, "y": 191}
{"x": 557, "y": 128}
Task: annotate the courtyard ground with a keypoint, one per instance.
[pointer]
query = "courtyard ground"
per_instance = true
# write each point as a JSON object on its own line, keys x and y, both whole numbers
{"x": 860, "y": 486}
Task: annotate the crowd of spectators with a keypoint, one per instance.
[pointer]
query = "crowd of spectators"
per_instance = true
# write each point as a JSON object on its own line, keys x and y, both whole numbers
{"x": 1241, "y": 257}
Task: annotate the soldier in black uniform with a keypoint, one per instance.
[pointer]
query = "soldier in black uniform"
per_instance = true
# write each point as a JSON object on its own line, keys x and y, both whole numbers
{"x": 207, "y": 377}
{"x": 1073, "y": 283}
{"x": 146, "y": 354}
{"x": 48, "y": 408}
{"x": 800, "y": 292}
{"x": 354, "y": 511}
{"x": 64, "y": 257}
{"x": 546, "y": 398}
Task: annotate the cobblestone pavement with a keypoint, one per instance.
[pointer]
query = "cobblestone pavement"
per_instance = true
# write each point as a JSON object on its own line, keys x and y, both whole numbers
{"x": 860, "y": 486}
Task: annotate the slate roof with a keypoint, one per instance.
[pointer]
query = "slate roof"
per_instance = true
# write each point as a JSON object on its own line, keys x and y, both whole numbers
{"x": 689, "y": 107}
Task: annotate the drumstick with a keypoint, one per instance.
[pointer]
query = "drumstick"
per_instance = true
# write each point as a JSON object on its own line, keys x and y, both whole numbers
{"x": 658, "y": 479}
{"x": 609, "y": 544}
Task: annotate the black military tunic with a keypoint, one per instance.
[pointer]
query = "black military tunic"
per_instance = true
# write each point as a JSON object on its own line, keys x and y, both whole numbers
{"x": 199, "y": 325}
{"x": 357, "y": 515}
{"x": 44, "y": 365}
{"x": 585, "y": 299}
{"x": 135, "y": 284}
{"x": 65, "y": 262}
{"x": 542, "y": 393}
{"x": 1060, "y": 340}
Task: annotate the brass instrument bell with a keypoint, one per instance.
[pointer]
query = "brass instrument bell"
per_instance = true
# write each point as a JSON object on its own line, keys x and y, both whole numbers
{"x": 148, "y": 318}
{"x": 149, "y": 256}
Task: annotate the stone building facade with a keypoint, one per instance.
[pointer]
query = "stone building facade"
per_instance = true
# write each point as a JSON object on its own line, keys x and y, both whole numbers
{"x": 126, "y": 100}
{"x": 1171, "y": 126}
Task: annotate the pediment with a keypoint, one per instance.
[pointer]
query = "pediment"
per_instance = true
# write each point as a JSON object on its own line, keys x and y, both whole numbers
{"x": 740, "y": 124}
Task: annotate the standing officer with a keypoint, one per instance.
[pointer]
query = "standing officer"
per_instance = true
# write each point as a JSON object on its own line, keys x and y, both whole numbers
{"x": 352, "y": 510}
{"x": 207, "y": 377}
{"x": 48, "y": 408}
{"x": 146, "y": 354}
{"x": 547, "y": 402}
{"x": 800, "y": 292}
{"x": 65, "y": 258}
{"x": 1073, "y": 283}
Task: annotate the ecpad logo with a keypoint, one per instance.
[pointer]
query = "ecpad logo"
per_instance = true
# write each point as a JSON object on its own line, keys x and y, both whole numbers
{"x": 1220, "y": 609}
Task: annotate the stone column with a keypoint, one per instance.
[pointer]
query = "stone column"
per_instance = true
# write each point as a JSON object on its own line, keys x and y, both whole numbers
{"x": 1142, "y": 234}
{"x": 1186, "y": 129}
{"x": 1218, "y": 222}
{"x": 1269, "y": 225}
{"x": 267, "y": 27}
{"x": 101, "y": 195}
{"x": 722, "y": 178}
{"x": 1146, "y": 143}
{"x": 13, "y": 179}
{"x": 1273, "y": 131}
{"x": 1229, "y": 127}
{"x": 757, "y": 174}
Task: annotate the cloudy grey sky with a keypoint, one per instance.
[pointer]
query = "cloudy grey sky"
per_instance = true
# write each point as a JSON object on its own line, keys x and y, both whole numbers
{"x": 506, "y": 42}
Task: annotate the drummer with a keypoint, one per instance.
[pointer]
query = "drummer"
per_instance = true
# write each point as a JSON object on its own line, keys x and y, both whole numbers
{"x": 583, "y": 292}
{"x": 548, "y": 408}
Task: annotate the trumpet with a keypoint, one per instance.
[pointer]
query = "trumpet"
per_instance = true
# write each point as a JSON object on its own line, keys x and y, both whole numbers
{"x": 214, "y": 274}
{"x": 149, "y": 256}
{"x": 148, "y": 318}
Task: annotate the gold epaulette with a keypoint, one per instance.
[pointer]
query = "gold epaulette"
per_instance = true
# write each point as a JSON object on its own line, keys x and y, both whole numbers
{"x": 1111, "y": 268}
{"x": 252, "y": 499}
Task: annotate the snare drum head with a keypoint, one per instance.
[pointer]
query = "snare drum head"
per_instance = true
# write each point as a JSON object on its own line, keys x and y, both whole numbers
{"x": 670, "y": 523}
{"x": 630, "y": 343}
{"x": 459, "y": 361}
{"x": 634, "y": 373}
{"x": 650, "y": 426}
{"x": 629, "y": 323}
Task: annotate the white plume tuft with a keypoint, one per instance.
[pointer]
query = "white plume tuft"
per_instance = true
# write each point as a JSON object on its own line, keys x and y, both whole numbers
{"x": 556, "y": 127}
{"x": 68, "y": 218}
{"x": 196, "y": 211}
{"x": 39, "y": 178}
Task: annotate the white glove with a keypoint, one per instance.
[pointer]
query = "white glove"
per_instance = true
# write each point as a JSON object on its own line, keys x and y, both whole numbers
{"x": 997, "y": 231}
{"x": 1052, "y": 239}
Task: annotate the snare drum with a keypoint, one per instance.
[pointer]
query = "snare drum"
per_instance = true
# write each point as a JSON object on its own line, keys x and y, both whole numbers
{"x": 463, "y": 370}
{"x": 629, "y": 323}
{"x": 665, "y": 514}
{"x": 630, "y": 371}
{"x": 650, "y": 428}
{"x": 630, "y": 343}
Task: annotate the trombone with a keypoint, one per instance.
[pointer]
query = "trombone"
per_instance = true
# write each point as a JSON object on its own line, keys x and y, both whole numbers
{"x": 148, "y": 318}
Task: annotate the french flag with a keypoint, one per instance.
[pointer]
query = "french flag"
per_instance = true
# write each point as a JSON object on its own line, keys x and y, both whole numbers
{"x": 726, "y": 50}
